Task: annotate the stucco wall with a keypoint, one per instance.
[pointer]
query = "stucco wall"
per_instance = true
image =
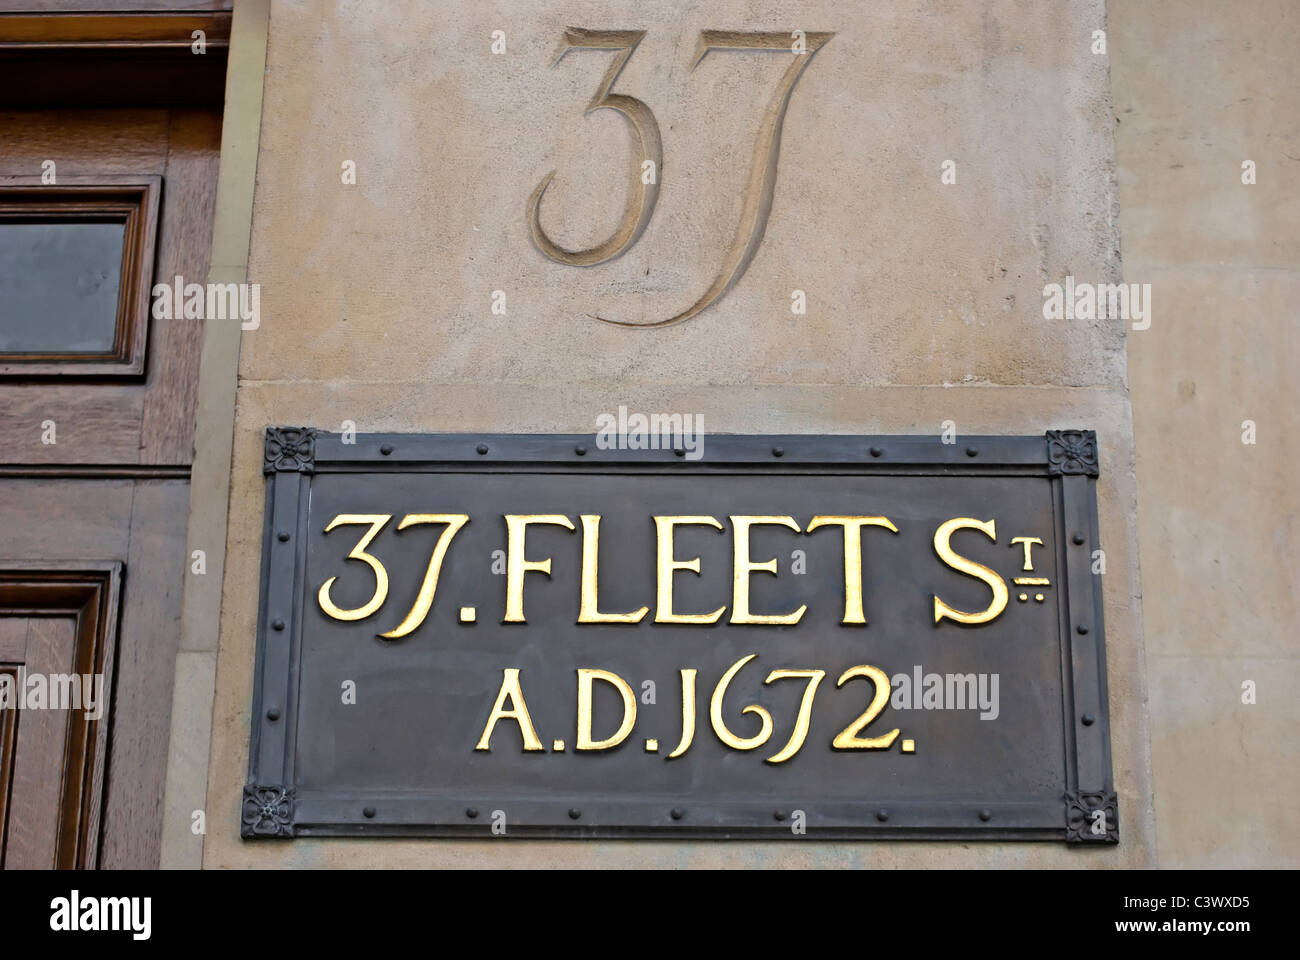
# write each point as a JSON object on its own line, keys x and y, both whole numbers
{"x": 924, "y": 299}
{"x": 1200, "y": 87}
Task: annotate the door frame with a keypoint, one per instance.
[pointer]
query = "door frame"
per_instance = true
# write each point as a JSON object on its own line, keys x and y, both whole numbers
{"x": 150, "y": 58}
{"x": 90, "y": 592}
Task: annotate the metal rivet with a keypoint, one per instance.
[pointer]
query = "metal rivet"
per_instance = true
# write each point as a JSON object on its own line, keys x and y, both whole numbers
{"x": 471, "y": 813}
{"x": 986, "y": 815}
{"x": 580, "y": 451}
{"x": 277, "y": 624}
{"x": 1089, "y": 719}
{"x": 882, "y": 815}
{"x": 482, "y": 449}
{"x": 680, "y": 451}
{"x": 386, "y": 449}
{"x": 1082, "y": 628}
{"x": 273, "y": 713}
{"x": 677, "y": 813}
{"x": 283, "y": 535}
{"x": 778, "y": 815}
{"x": 369, "y": 812}
{"x": 876, "y": 451}
{"x": 778, "y": 451}
{"x": 972, "y": 452}
{"x": 1078, "y": 539}
{"x": 575, "y": 813}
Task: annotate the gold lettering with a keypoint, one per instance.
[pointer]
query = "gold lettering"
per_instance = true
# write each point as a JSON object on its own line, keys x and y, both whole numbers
{"x": 800, "y": 733}
{"x": 853, "y": 612}
{"x": 969, "y": 567}
{"x": 589, "y": 611}
{"x": 688, "y": 713}
{"x": 1029, "y": 545}
{"x": 743, "y": 566}
{"x": 424, "y": 600}
{"x": 720, "y": 727}
{"x": 848, "y": 739}
{"x": 516, "y": 565}
{"x": 585, "y": 677}
{"x": 666, "y": 565}
{"x": 518, "y": 712}
{"x": 376, "y": 521}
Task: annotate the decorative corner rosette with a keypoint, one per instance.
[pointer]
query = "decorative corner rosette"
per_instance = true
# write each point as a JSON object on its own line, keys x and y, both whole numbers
{"x": 268, "y": 811}
{"x": 1072, "y": 453}
{"x": 290, "y": 448}
{"x": 1091, "y": 818}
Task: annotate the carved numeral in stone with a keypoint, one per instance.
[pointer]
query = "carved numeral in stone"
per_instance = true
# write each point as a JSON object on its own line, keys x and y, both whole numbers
{"x": 649, "y": 149}
{"x": 758, "y": 190}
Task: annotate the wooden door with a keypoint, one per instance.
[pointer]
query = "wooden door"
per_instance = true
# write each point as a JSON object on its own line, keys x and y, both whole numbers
{"x": 58, "y": 638}
{"x": 100, "y": 199}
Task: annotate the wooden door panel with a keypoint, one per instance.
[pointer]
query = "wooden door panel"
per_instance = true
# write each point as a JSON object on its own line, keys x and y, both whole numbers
{"x": 150, "y": 419}
{"x": 32, "y": 833}
{"x": 8, "y": 745}
{"x": 13, "y": 639}
{"x": 70, "y": 614}
{"x": 141, "y": 525}
{"x": 13, "y": 648}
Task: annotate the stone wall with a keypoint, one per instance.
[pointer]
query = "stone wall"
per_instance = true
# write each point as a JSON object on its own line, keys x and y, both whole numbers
{"x": 924, "y": 299}
{"x": 1199, "y": 89}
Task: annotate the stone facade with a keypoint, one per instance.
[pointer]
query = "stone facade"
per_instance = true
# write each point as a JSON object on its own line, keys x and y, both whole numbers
{"x": 924, "y": 305}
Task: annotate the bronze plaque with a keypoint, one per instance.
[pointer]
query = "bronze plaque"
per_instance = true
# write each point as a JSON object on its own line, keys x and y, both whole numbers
{"x": 835, "y": 636}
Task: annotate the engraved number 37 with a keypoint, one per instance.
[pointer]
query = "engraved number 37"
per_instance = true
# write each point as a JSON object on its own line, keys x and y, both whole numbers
{"x": 647, "y": 155}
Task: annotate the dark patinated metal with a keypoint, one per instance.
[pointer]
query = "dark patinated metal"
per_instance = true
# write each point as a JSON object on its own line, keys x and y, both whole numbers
{"x": 400, "y": 759}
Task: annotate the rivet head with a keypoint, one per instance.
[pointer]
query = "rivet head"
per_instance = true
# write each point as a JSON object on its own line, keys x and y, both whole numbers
{"x": 1081, "y": 628}
{"x": 283, "y": 536}
{"x": 986, "y": 815}
{"x": 778, "y": 816}
{"x": 386, "y": 449}
{"x": 369, "y": 813}
{"x": 677, "y": 813}
{"x": 575, "y": 813}
{"x": 972, "y": 452}
{"x": 482, "y": 449}
{"x": 580, "y": 451}
{"x": 277, "y": 624}
{"x": 273, "y": 713}
{"x": 882, "y": 815}
{"x": 471, "y": 812}
{"x": 1078, "y": 539}
{"x": 876, "y": 451}
{"x": 778, "y": 451}
{"x": 680, "y": 451}
{"x": 1089, "y": 719}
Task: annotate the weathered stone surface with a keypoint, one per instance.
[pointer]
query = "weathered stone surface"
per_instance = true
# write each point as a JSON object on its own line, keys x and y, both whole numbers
{"x": 1199, "y": 90}
{"x": 908, "y": 280}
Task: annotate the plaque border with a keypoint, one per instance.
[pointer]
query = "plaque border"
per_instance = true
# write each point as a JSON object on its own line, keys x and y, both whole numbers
{"x": 1086, "y": 814}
